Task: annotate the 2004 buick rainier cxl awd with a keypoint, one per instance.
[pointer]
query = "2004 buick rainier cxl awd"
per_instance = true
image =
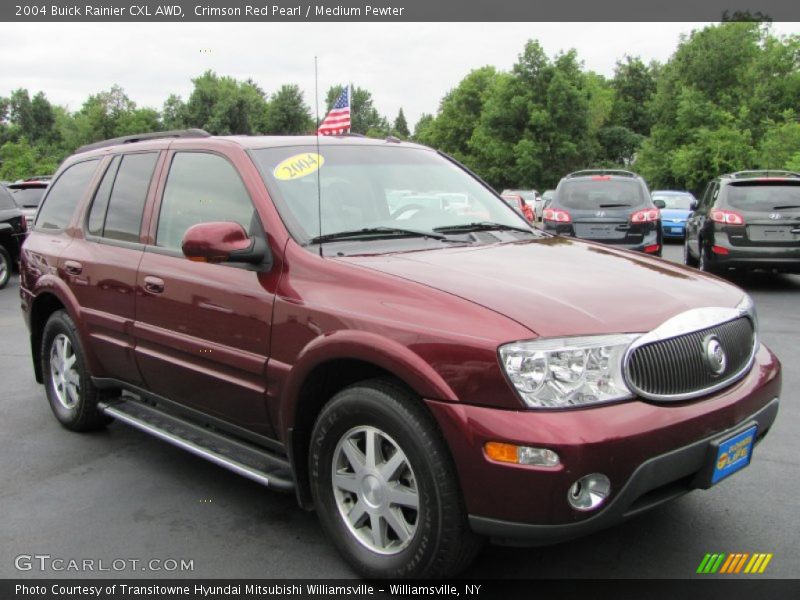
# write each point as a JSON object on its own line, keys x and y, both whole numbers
{"x": 367, "y": 324}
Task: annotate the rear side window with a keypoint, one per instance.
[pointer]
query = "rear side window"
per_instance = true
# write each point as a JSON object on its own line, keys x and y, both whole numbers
{"x": 29, "y": 197}
{"x": 606, "y": 193}
{"x": 201, "y": 188}
{"x": 6, "y": 201}
{"x": 121, "y": 196}
{"x": 65, "y": 194}
{"x": 763, "y": 196}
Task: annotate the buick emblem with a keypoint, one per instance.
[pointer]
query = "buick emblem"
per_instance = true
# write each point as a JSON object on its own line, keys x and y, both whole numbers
{"x": 714, "y": 355}
{"x": 775, "y": 216}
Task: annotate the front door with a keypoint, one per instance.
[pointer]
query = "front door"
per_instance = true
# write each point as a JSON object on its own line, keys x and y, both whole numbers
{"x": 203, "y": 330}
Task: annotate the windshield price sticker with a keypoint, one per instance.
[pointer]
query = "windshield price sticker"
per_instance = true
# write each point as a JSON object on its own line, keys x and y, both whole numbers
{"x": 297, "y": 166}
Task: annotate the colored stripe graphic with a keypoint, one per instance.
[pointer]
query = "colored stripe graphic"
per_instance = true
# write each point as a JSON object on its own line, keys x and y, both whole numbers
{"x": 733, "y": 563}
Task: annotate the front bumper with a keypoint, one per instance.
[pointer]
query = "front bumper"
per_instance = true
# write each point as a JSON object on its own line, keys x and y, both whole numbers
{"x": 650, "y": 452}
{"x": 656, "y": 481}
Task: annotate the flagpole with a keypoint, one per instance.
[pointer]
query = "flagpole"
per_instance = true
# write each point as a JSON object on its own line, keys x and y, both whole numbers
{"x": 319, "y": 183}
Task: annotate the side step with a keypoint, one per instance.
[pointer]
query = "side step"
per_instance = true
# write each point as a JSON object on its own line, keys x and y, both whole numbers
{"x": 245, "y": 459}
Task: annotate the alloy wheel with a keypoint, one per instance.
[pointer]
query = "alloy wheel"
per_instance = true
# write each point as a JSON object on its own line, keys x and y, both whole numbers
{"x": 375, "y": 490}
{"x": 63, "y": 372}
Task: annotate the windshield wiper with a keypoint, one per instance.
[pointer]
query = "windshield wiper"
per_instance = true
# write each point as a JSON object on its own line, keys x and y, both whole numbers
{"x": 613, "y": 205}
{"x": 481, "y": 226}
{"x": 785, "y": 207}
{"x": 374, "y": 233}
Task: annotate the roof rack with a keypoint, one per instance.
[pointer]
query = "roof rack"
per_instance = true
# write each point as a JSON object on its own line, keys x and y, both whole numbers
{"x": 763, "y": 173}
{"x": 141, "y": 137}
{"x": 586, "y": 172}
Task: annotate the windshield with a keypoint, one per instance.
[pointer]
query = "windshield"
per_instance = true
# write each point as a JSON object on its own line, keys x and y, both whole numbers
{"x": 374, "y": 187}
{"x": 28, "y": 197}
{"x": 601, "y": 193}
{"x": 763, "y": 196}
{"x": 675, "y": 201}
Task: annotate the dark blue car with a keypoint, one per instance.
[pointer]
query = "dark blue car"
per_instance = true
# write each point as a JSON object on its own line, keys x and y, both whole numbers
{"x": 675, "y": 208}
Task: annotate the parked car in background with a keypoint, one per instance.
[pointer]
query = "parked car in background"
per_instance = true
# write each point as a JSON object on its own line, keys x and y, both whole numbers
{"x": 531, "y": 198}
{"x": 609, "y": 206}
{"x": 675, "y": 207}
{"x": 747, "y": 220}
{"x": 28, "y": 195}
{"x": 422, "y": 379}
{"x": 12, "y": 232}
{"x": 517, "y": 202}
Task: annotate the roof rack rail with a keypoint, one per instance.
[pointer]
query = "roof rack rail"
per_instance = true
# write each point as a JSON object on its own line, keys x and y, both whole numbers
{"x": 762, "y": 173}
{"x": 141, "y": 137}
{"x": 585, "y": 172}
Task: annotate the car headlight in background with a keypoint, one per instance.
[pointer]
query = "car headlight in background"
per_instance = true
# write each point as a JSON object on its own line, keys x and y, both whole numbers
{"x": 566, "y": 372}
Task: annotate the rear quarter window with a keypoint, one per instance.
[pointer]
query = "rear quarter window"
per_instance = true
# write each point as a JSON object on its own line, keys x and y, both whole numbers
{"x": 65, "y": 194}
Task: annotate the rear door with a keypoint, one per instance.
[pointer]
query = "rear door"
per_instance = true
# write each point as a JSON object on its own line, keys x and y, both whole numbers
{"x": 203, "y": 330}
{"x": 101, "y": 269}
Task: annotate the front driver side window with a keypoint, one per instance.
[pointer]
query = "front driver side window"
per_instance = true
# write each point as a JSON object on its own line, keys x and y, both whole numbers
{"x": 200, "y": 188}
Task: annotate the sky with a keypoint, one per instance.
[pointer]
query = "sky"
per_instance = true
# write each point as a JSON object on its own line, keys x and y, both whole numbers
{"x": 408, "y": 65}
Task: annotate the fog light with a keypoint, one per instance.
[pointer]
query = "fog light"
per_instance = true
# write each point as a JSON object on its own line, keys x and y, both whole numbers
{"x": 589, "y": 492}
{"x": 521, "y": 455}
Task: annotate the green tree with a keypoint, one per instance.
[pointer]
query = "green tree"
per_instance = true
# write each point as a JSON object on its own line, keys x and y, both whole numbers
{"x": 225, "y": 106}
{"x": 634, "y": 85}
{"x": 400, "y": 128}
{"x": 287, "y": 113}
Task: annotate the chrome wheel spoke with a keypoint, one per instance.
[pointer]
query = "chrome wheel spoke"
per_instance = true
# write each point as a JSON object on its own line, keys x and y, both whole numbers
{"x": 346, "y": 482}
{"x": 354, "y": 456}
{"x": 373, "y": 448}
{"x": 395, "y": 520}
{"x": 390, "y": 467}
{"x": 404, "y": 497}
{"x": 378, "y": 527}
{"x": 357, "y": 514}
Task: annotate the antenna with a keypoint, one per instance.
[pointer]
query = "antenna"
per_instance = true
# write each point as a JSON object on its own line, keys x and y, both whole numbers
{"x": 319, "y": 183}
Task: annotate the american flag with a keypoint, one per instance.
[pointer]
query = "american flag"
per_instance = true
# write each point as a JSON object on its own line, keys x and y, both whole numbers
{"x": 338, "y": 120}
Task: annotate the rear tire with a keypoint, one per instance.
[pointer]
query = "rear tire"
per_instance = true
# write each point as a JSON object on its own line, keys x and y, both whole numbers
{"x": 703, "y": 263}
{"x": 72, "y": 396}
{"x": 5, "y": 267}
{"x": 688, "y": 259}
{"x": 394, "y": 510}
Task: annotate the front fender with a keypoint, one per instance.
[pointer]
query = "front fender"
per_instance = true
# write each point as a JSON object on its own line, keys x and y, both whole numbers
{"x": 366, "y": 347}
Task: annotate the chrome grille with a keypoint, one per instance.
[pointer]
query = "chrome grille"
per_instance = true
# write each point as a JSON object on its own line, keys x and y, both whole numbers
{"x": 676, "y": 368}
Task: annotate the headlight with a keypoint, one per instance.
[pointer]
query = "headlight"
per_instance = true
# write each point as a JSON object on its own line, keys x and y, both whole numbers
{"x": 564, "y": 372}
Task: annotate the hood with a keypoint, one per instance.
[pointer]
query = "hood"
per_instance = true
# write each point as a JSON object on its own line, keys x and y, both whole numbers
{"x": 558, "y": 286}
{"x": 674, "y": 213}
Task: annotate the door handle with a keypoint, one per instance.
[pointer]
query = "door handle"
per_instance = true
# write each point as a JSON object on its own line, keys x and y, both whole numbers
{"x": 73, "y": 267}
{"x": 154, "y": 285}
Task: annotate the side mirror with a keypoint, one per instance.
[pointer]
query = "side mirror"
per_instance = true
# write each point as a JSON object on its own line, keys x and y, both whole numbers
{"x": 660, "y": 203}
{"x": 222, "y": 241}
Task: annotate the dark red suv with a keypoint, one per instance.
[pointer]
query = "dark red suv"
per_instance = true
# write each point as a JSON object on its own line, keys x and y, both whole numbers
{"x": 312, "y": 315}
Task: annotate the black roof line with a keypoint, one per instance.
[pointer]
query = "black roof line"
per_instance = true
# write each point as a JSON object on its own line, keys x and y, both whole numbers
{"x": 586, "y": 172}
{"x": 141, "y": 137}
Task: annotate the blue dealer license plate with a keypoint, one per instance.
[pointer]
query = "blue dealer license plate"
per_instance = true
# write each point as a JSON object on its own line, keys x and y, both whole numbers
{"x": 734, "y": 454}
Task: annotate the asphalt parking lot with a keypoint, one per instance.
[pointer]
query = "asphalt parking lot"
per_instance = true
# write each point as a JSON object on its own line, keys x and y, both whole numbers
{"x": 122, "y": 495}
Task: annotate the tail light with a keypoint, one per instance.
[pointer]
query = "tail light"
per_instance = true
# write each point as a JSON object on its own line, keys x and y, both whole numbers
{"x": 554, "y": 214}
{"x": 649, "y": 215}
{"x": 652, "y": 248}
{"x": 728, "y": 217}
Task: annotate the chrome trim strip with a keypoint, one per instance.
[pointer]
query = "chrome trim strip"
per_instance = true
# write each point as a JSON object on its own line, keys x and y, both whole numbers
{"x": 215, "y": 458}
{"x": 692, "y": 321}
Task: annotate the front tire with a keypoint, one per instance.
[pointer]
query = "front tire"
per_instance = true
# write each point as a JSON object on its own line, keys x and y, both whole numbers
{"x": 5, "y": 267}
{"x": 72, "y": 396}
{"x": 384, "y": 485}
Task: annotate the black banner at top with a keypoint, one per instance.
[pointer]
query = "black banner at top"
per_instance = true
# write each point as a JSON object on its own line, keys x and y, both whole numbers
{"x": 387, "y": 11}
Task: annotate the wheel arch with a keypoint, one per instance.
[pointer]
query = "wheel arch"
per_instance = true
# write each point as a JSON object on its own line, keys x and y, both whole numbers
{"x": 334, "y": 362}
